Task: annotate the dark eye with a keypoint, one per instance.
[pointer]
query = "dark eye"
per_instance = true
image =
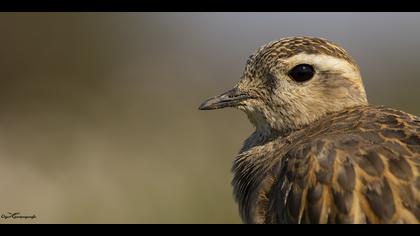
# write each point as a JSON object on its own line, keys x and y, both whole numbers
{"x": 302, "y": 73}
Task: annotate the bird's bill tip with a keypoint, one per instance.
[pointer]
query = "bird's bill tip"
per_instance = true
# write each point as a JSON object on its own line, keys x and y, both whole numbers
{"x": 230, "y": 98}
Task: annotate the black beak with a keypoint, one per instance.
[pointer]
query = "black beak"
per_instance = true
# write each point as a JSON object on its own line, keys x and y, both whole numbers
{"x": 230, "y": 98}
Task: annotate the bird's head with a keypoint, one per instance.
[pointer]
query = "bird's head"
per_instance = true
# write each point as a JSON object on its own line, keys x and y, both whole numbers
{"x": 292, "y": 82}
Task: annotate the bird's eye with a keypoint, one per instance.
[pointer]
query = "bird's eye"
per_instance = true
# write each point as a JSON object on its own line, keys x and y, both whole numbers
{"x": 302, "y": 73}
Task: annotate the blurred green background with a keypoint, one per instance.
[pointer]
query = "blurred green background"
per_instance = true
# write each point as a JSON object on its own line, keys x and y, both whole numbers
{"x": 98, "y": 111}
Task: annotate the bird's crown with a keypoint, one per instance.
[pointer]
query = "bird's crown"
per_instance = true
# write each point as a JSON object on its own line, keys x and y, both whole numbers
{"x": 287, "y": 47}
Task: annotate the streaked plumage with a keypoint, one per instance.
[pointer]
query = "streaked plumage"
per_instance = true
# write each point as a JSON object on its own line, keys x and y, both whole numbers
{"x": 320, "y": 153}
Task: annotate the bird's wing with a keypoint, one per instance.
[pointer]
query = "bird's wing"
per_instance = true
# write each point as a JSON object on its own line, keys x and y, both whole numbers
{"x": 367, "y": 174}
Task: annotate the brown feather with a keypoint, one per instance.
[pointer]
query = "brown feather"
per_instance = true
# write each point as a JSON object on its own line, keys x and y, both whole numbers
{"x": 316, "y": 177}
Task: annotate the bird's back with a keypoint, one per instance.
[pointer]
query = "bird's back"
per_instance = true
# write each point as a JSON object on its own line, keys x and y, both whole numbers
{"x": 357, "y": 166}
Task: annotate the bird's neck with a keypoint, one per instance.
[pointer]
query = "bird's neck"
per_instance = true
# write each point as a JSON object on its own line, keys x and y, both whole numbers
{"x": 265, "y": 130}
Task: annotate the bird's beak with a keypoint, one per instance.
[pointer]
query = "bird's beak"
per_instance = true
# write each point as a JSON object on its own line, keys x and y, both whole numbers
{"x": 230, "y": 98}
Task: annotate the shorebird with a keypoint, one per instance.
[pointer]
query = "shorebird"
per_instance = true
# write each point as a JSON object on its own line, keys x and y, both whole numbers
{"x": 320, "y": 153}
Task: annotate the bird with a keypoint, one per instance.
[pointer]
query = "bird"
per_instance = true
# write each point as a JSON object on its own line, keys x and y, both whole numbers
{"x": 320, "y": 153}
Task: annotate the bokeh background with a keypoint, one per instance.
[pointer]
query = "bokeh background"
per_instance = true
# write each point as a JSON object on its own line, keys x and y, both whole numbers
{"x": 98, "y": 111}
